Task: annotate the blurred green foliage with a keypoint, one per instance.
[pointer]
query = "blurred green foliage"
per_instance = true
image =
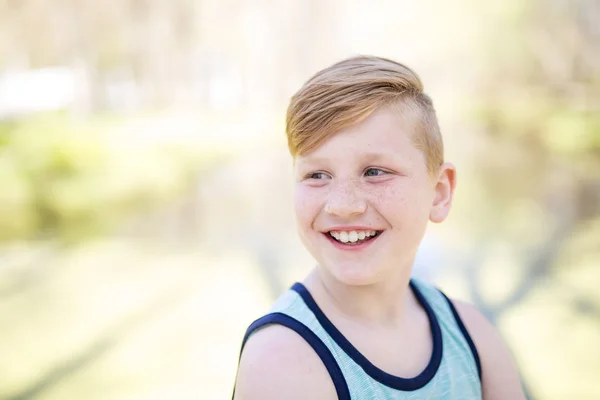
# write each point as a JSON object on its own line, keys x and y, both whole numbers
{"x": 537, "y": 96}
{"x": 541, "y": 85}
{"x": 71, "y": 178}
{"x": 560, "y": 129}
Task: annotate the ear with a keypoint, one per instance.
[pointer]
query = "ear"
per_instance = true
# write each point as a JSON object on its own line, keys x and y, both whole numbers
{"x": 444, "y": 191}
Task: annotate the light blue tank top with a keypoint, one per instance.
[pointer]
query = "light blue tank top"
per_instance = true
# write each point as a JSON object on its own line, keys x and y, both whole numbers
{"x": 453, "y": 371}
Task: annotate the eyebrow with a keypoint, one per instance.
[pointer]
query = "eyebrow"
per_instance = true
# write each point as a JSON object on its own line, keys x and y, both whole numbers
{"x": 370, "y": 157}
{"x": 377, "y": 156}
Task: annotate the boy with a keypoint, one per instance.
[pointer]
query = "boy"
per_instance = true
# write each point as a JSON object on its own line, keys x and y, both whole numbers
{"x": 370, "y": 174}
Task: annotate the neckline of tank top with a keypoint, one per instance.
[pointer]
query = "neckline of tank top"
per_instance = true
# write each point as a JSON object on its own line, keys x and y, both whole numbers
{"x": 395, "y": 382}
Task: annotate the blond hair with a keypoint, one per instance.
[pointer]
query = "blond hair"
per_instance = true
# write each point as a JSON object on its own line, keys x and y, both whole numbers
{"x": 349, "y": 91}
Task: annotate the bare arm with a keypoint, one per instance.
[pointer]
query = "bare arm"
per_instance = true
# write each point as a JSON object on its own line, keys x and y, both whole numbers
{"x": 500, "y": 380}
{"x": 278, "y": 364}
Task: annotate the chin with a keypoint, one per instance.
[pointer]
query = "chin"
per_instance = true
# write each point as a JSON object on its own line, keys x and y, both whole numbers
{"x": 353, "y": 275}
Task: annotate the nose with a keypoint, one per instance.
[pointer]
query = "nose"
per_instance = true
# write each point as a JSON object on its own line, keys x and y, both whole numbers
{"x": 345, "y": 201}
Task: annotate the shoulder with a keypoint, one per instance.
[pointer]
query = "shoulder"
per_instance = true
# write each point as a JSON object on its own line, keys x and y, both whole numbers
{"x": 277, "y": 363}
{"x": 499, "y": 376}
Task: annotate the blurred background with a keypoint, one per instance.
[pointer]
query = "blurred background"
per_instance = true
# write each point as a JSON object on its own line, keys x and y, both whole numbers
{"x": 145, "y": 188}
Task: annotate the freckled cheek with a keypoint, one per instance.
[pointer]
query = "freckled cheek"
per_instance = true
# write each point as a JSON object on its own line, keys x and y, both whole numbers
{"x": 395, "y": 204}
{"x": 394, "y": 210}
{"x": 307, "y": 205}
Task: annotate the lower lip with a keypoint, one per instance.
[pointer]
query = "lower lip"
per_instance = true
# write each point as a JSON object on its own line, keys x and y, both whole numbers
{"x": 351, "y": 247}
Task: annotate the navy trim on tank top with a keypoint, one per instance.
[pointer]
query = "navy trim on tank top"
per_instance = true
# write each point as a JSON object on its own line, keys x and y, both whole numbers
{"x": 395, "y": 382}
{"x": 465, "y": 333}
{"x": 341, "y": 387}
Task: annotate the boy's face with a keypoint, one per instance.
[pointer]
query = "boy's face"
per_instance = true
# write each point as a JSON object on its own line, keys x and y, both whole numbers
{"x": 369, "y": 177}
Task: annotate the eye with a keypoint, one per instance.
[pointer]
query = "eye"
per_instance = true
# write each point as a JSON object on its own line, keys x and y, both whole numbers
{"x": 375, "y": 172}
{"x": 317, "y": 175}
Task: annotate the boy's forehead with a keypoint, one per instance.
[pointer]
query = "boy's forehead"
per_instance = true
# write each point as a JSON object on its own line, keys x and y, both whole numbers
{"x": 384, "y": 133}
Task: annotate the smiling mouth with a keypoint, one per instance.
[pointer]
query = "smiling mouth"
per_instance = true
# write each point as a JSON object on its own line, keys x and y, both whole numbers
{"x": 353, "y": 238}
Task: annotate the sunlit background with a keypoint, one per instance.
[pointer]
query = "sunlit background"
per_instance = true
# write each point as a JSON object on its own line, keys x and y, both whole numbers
{"x": 145, "y": 189}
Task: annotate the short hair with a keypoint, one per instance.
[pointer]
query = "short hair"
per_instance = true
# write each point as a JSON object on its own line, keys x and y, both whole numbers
{"x": 348, "y": 92}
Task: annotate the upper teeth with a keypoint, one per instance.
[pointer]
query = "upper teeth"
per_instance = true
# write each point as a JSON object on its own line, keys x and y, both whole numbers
{"x": 351, "y": 236}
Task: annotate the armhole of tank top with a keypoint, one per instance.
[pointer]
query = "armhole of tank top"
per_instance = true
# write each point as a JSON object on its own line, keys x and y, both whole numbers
{"x": 465, "y": 333}
{"x": 341, "y": 386}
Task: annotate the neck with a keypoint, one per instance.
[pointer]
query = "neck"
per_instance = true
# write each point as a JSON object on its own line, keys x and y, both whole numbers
{"x": 384, "y": 303}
